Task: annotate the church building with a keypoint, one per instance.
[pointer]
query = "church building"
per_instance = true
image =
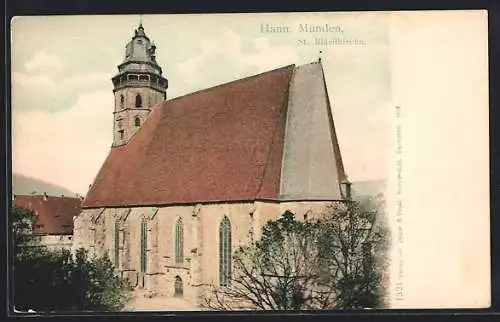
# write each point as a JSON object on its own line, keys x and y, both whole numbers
{"x": 189, "y": 179}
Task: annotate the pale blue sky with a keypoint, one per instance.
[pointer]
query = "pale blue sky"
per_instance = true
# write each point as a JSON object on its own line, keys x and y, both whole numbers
{"x": 62, "y": 93}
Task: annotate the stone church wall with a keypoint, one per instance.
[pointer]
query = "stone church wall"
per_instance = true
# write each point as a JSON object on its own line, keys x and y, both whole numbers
{"x": 95, "y": 230}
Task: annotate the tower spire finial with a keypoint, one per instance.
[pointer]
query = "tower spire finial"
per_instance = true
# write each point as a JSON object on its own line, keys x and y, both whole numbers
{"x": 140, "y": 21}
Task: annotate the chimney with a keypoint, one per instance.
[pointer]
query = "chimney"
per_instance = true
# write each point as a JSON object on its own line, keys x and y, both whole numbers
{"x": 45, "y": 196}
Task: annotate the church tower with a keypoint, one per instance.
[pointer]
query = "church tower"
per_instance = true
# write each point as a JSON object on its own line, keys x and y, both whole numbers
{"x": 138, "y": 86}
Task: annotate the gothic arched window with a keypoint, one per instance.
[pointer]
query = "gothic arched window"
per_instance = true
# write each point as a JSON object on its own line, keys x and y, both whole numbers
{"x": 178, "y": 291}
{"x": 138, "y": 100}
{"x": 117, "y": 244}
{"x": 224, "y": 251}
{"x": 137, "y": 121}
{"x": 144, "y": 243}
{"x": 122, "y": 100}
{"x": 179, "y": 241}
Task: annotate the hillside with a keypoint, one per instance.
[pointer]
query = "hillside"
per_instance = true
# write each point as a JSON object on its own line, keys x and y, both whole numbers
{"x": 23, "y": 185}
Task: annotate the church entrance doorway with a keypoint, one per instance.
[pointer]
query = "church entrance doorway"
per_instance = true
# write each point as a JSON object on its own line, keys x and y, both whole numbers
{"x": 178, "y": 287}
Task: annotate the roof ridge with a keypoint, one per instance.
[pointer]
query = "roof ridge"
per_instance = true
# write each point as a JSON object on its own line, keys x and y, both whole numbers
{"x": 226, "y": 84}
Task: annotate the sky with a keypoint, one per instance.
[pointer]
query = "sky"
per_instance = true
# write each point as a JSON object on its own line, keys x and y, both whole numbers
{"x": 62, "y": 99}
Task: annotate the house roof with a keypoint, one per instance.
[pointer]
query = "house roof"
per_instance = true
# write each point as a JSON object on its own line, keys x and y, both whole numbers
{"x": 54, "y": 214}
{"x": 225, "y": 143}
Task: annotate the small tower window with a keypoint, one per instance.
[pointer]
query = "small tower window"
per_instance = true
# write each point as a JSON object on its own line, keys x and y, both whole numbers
{"x": 137, "y": 121}
{"x": 122, "y": 100}
{"x": 138, "y": 101}
{"x": 122, "y": 134}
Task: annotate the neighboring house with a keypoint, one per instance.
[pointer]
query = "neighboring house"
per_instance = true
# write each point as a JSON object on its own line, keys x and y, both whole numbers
{"x": 54, "y": 222}
{"x": 190, "y": 179}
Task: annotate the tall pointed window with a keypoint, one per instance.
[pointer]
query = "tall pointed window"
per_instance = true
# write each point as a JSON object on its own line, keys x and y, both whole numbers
{"x": 224, "y": 251}
{"x": 122, "y": 101}
{"x": 117, "y": 244}
{"x": 144, "y": 245}
{"x": 138, "y": 100}
{"x": 137, "y": 121}
{"x": 179, "y": 241}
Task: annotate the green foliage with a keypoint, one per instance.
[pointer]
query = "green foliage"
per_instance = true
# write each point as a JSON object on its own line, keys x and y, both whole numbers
{"x": 335, "y": 261}
{"x": 60, "y": 281}
{"x": 100, "y": 289}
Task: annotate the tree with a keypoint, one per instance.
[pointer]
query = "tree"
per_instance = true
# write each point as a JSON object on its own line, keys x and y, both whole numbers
{"x": 353, "y": 245}
{"x": 58, "y": 280}
{"x": 272, "y": 273}
{"x": 335, "y": 261}
{"x": 95, "y": 284}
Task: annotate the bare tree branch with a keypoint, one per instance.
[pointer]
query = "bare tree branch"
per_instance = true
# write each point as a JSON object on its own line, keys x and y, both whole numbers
{"x": 331, "y": 262}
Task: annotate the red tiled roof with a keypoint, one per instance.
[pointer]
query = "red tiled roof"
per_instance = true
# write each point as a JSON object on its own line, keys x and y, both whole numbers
{"x": 220, "y": 144}
{"x": 55, "y": 214}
